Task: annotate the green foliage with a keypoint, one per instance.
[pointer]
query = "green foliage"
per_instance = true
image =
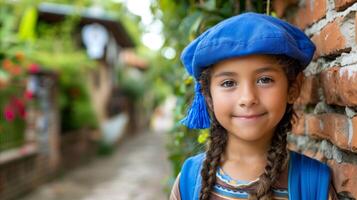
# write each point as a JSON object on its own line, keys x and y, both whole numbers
{"x": 57, "y": 50}
{"x": 105, "y": 149}
{"x": 8, "y": 38}
{"x": 131, "y": 87}
{"x": 184, "y": 21}
{"x": 12, "y": 79}
{"x": 11, "y": 131}
{"x": 75, "y": 105}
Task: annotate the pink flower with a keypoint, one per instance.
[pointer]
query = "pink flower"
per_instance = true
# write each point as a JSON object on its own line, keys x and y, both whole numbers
{"x": 34, "y": 68}
{"x": 28, "y": 95}
{"x": 20, "y": 107}
{"x": 15, "y": 108}
{"x": 9, "y": 113}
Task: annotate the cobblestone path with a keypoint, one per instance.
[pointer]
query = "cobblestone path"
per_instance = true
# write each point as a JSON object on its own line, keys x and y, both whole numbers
{"x": 136, "y": 171}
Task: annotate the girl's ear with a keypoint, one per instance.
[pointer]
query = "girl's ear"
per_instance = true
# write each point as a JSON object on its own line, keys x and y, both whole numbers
{"x": 295, "y": 87}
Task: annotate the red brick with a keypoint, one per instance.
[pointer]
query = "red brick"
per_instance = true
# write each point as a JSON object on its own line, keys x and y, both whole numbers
{"x": 328, "y": 85}
{"x": 344, "y": 177}
{"x": 320, "y": 156}
{"x": 331, "y": 126}
{"x": 319, "y": 10}
{"x": 354, "y": 136}
{"x": 279, "y": 6}
{"x": 336, "y": 127}
{"x": 339, "y": 85}
{"x": 309, "y": 153}
{"x": 310, "y": 13}
{"x": 343, "y": 4}
{"x": 303, "y": 18}
{"x": 313, "y": 126}
{"x": 308, "y": 93}
{"x": 347, "y": 85}
{"x": 315, "y": 155}
{"x": 330, "y": 41}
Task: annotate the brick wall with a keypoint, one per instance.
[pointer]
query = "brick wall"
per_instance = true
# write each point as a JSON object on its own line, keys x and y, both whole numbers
{"x": 327, "y": 106}
{"x": 22, "y": 175}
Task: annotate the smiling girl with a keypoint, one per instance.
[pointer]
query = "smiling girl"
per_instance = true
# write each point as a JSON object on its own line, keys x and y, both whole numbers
{"x": 248, "y": 72}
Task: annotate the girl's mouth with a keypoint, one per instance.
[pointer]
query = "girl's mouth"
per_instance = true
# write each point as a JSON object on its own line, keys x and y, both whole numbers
{"x": 250, "y": 116}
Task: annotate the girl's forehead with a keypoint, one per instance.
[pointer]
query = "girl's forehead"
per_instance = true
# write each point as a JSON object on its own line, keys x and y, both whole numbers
{"x": 253, "y": 63}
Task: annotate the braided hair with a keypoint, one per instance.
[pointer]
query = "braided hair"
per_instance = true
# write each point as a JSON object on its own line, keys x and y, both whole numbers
{"x": 277, "y": 157}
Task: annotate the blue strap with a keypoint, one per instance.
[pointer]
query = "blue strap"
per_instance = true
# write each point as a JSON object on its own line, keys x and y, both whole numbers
{"x": 190, "y": 178}
{"x": 309, "y": 179}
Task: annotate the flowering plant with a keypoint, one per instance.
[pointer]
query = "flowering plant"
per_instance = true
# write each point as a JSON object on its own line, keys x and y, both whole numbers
{"x": 13, "y": 99}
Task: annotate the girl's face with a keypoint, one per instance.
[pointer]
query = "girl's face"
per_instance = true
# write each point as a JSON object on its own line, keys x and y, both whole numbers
{"x": 249, "y": 96}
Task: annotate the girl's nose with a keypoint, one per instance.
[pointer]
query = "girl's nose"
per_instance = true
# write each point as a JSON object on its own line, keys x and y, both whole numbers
{"x": 247, "y": 95}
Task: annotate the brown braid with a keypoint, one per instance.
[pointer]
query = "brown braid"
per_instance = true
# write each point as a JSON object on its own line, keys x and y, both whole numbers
{"x": 277, "y": 158}
{"x": 217, "y": 143}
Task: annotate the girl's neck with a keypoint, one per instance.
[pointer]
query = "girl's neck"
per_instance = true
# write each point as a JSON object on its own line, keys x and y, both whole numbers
{"x": 243, "y": 151}
{"x": 245, "y": 160}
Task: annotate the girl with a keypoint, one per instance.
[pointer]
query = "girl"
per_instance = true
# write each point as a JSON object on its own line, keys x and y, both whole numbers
{"x": 248, "y": 73}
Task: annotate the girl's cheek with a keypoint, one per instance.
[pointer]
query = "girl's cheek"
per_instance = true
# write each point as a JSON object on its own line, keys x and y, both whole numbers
{"x": 222, "y": 101}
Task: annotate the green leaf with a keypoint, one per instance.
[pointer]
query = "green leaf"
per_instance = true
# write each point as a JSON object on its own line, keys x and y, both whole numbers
{"x": 210, "y": 5}
{"x": 28, "y": 24}
{"x": 190, "y": 24}
{"x": 202, "y": 138}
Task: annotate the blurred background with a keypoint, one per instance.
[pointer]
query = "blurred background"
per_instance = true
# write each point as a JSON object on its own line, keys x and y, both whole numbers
{"x": 91, "y": 92}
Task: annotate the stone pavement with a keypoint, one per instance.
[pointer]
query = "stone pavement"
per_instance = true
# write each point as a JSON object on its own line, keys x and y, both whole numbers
{"x": 136, "y": 171}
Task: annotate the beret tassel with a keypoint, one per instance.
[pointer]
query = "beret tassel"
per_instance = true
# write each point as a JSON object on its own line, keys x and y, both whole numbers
{"x": 197, "y": 115}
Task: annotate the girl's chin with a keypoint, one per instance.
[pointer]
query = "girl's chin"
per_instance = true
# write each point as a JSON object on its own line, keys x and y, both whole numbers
{"x": 250, "y": 136}
{"x": 251, "y": 133}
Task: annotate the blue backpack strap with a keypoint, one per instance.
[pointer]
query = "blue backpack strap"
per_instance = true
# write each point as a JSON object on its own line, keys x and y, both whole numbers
{"x": 190, "y": 177}
{"x": 309, "y": 179}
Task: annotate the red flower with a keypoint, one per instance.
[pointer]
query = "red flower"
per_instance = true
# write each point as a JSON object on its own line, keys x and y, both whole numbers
{"x": 20, "y": 107}
{"x": 15, "y": 107}
{"x": 28, "y": 95}
{"x": 33, "y": 68}
{"x": 9, "y": 113}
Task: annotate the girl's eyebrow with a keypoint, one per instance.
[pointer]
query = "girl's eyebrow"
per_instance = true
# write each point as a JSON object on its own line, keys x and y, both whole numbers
{"x": 224, "y": 74}
{"x": 259, "y": 70}
{"x": 267, "y": 68}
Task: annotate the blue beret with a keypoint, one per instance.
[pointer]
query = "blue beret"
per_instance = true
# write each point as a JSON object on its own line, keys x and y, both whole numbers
{"x": 246, "y": 34}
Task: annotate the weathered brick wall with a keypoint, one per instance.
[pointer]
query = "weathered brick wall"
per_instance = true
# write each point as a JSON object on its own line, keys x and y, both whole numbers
{"x": 327, "y": 106}
{"x": 21, "y": 176}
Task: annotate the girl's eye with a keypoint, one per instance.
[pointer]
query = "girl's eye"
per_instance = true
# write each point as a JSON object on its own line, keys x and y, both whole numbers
{"x": 265, "y": 80}
{"x": 228, "y": 84}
